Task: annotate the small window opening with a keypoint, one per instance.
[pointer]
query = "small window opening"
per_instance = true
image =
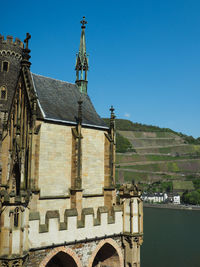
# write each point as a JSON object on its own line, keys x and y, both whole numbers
{"x": 3, "y": 93}
{"x": 16, "y": 217}
{"x": 5, "y": 66}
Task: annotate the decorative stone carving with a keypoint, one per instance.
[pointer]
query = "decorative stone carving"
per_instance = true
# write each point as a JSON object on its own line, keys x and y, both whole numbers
{"x": 4, "y": 264}
{"x": 12, "y": 263}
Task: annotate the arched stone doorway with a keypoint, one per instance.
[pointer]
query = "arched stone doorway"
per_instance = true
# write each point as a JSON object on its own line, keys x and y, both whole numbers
{"x": 61, "y": 257}
{"x": 107, "y": 253}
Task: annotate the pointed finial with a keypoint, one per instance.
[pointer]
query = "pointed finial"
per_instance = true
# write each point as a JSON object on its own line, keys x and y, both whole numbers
{"x": 112, "y": 114}
{"x": 82, "y": 65}
{"x": 83, "y": 22}
{"x": 112, "y": 118}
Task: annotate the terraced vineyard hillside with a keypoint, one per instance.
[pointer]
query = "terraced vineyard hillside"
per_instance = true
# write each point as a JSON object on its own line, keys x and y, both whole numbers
{"x": 157, "y": 158}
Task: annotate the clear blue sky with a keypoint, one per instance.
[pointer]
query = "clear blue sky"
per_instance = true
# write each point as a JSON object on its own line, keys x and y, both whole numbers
{"x": 144, "y": 54}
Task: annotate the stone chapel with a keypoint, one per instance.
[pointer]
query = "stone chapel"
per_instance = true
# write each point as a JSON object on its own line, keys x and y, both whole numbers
{"x": 58, "y": 202}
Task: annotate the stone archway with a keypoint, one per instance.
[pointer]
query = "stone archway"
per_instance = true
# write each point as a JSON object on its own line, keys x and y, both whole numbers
{"x": 61, "y": 257}
{"x": 107, "y": 253}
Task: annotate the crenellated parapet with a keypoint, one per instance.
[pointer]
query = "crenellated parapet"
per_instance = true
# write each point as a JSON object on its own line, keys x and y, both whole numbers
{"x": 10, "y": 41}
{"x": 56, "y": 232}
{"x": 11, "y": 48}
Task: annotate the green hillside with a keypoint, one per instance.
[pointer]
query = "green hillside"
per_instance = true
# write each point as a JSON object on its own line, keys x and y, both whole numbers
{"x": 156, "y": 158}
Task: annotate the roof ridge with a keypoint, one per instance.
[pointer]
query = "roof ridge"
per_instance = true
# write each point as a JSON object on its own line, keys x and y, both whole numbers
{"x": 39, "y": 104}
{"x": 51, "y": 78}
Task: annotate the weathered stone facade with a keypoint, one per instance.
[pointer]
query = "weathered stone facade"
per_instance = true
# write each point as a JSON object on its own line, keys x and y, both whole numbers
{"x": 57, "y": 192}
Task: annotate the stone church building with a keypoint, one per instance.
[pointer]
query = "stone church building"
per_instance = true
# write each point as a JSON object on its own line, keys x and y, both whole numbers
{"x": 58, "y": 202}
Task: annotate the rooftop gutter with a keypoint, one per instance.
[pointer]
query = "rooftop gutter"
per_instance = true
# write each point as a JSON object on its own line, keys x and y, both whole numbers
{"x": 74, "y": 123}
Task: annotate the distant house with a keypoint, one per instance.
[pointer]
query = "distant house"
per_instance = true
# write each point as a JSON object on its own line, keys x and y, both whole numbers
{"x": 161, "y": 198}
{"x": 154, "y": 197}
{"x": 174, "y": 198}
{"x": 177, "y": 199}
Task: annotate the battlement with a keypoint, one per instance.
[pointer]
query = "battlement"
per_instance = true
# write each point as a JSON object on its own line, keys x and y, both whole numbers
{"x": 11, "y": 48}
{"x": 54, "y": 231}
{"x": 9, "y": 41}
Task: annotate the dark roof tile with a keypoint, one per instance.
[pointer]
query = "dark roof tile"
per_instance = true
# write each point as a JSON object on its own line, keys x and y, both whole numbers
{"x": 59, "y": 102}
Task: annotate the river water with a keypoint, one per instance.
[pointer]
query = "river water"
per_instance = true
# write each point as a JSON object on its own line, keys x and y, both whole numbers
{"x": 171, "y": 238}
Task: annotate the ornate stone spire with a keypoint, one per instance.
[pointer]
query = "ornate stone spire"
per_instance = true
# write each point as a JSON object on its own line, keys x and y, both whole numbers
{"x": 82, "y": 65}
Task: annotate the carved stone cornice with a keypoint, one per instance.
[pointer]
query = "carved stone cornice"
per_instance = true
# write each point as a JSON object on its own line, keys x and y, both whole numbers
{"x": 129, "y": 190}
{"x": 133, "y": 238}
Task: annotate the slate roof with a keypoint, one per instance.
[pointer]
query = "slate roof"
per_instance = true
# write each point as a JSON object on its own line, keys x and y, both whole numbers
{"x": 58, "y": 102}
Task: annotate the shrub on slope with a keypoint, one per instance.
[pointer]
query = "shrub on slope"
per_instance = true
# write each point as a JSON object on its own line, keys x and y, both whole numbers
{"x": 122, "y": 144}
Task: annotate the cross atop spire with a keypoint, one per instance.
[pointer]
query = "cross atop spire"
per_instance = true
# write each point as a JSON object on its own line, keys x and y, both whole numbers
{"x": 25, "y": 55}
{"x": 28, "y": 36}
{"x": 83, "y": 22}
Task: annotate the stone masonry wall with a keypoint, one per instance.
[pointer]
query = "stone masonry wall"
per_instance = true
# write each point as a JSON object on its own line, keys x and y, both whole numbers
{"x": 55, "y": 160}
{"x": 84, "y": 251}
{"x": 92, "y": 161}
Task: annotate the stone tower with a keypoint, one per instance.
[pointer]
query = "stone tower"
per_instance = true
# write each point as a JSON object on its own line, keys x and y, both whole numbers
{"x": 10, "y": 60}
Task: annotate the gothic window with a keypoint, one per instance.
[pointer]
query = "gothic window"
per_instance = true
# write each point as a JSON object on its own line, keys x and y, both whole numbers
{"x": 16, "y": 217}
{"x": 5, "y": 66}
{"x": 3, "y": 93}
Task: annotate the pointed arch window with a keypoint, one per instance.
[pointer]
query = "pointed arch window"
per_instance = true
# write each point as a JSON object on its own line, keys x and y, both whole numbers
{"x": 3, "y": 93}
